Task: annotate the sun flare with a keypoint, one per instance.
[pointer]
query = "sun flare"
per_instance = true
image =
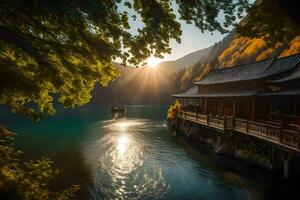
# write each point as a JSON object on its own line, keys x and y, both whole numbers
{"x": 152, "y": 62}
{"x": 122, "y": 145}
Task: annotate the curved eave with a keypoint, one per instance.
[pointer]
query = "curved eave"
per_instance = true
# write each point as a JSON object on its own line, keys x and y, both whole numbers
{"x": 223, "y": 82}
{"x": 184, "y": 96}
{"x": 221, "y": 93}
{"x": 252, "y": 71}
{"x": 284, "y": 92}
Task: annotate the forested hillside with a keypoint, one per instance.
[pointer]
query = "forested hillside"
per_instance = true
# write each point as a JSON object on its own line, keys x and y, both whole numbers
{"x": 243, "y": 45}
{"x": 155, "y": 86}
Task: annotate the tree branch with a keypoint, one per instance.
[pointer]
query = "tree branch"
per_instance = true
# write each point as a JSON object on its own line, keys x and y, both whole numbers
{"x": 13, "y": 38}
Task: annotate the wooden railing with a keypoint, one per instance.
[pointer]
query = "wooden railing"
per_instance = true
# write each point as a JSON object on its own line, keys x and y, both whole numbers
{"x": 229, "y": 122}
{"x": 240, "y": 125}
{"x": 202, "y": 118}
{"x": 290, "y": 137}
{"x": 269, "y": 131}
{"x": 264, "y": 130}
{"x": 191, "y": 115}
{"x": 215, "y": 121}
{"x": 223, "y": 122}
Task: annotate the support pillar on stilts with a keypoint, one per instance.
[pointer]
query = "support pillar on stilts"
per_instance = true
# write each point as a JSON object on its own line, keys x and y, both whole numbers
{"x": 286, "y": 158}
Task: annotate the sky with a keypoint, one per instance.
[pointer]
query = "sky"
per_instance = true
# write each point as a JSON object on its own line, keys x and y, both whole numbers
{"x": 192, "y": 39}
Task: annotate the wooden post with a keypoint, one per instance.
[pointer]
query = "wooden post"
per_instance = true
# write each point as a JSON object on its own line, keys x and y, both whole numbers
{"x": 295, "y": 109}
{"x": 202, "y": 106}
{"x": 222, "y": 107}
{"x": 196, "y": 114}
{"x": 270, "y": 108}
{"x": 205, "y": 106}
{"x": 233, "y": 109}
{"x": 298, "y": 139}
{"x": 286, "y": 161}
{"x": 207, "y": 120}
{"x": 280, "y": 135}
{"x": 253, "y": 108}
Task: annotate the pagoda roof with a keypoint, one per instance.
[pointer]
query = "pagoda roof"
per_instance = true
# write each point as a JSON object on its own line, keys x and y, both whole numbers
{"x": 237, "y": 92}
{"x": 252, "y": 71}
{"x": 227, "y": 92}
{"x": 294, "y": 75}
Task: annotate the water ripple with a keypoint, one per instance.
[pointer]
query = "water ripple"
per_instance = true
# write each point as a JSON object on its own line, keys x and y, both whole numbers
{"x": 137, "y": 159}
{"x": 118, "y": 161}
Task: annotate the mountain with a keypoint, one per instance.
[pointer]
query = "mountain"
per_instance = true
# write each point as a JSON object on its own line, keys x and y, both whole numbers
{"x": 233, "y": 51}
{"x": 136, "y": 86}
{"x": 185, "y": 61}
{"x": 155, "y": 86}
{"x": 183, "y": 79}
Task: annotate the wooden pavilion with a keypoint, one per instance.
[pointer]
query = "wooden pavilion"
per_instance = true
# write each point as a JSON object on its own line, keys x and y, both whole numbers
{"x": 260, "y": 99}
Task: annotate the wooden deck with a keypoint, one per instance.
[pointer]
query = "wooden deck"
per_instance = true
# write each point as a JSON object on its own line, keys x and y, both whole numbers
{"x": 275, "y": 134}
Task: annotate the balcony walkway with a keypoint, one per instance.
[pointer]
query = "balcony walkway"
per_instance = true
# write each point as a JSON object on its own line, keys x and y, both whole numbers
{"x": 274, "y": 134}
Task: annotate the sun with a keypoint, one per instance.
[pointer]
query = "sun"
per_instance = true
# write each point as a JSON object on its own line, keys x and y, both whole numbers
{"x": 152, "y": 62}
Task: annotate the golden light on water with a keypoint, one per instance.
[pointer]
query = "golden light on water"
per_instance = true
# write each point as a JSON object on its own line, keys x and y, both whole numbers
{"x": 122, "y": 144}
{"x": 121, "y": 157}
{"x": 122, "y": 125}
{"x": 125, "y": 150}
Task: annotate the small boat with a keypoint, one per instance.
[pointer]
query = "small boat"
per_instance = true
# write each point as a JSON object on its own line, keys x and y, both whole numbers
{"x": 117, "y": 112}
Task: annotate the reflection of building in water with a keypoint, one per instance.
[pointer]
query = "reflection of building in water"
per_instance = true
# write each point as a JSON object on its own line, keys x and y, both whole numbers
{"x": 117, "y": 113}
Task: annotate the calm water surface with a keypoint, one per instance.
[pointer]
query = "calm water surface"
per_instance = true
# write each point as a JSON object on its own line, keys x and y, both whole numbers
{"x": 136, "y": 158}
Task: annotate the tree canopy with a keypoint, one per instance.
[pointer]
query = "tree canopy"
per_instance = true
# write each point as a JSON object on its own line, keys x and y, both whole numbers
{"x": 275, "y": 21}
{"x": 60, "y": 49}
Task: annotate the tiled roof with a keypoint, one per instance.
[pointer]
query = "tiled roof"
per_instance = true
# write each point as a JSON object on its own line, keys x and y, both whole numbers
{"x": 189, "y": 93}
{"x": 251, "y": 71}
{"x": 229, "y": 92}
{"x": 294, "y": 75}
{"x": 237, "y": 92}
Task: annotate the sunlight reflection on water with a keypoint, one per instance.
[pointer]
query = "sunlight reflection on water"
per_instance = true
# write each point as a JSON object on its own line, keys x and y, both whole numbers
{"x": 123, "y": 144}
{"x": 120, "y": 171}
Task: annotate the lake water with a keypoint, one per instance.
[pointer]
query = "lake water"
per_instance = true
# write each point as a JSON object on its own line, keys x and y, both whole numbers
{"x": 137, "y": 158}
